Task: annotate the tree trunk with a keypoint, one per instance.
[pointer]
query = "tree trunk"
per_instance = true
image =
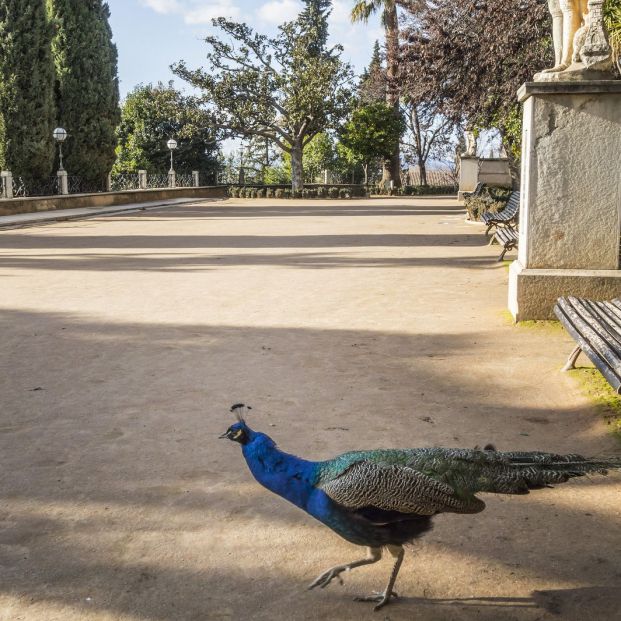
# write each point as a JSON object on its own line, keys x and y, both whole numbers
{"x": 392, "y": 168}
{"x": 297, "y": 168}
{"x": 366, "y": 174}
{"x": 422, "y": 167}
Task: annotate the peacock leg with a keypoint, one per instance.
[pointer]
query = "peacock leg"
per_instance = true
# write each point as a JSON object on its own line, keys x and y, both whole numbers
{"x": 383, "y": 599}
{"x": 375, "y": 554}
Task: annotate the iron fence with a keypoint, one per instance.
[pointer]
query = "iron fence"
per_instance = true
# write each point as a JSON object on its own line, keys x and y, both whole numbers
{"x": 77, "y": 185}
{"x": 184, "y": 181}
{"x": 124, "y": 181}
{"x": 42, "y": 187}
{"x": 155, "y": 182}
{"x": 51, "y": 186}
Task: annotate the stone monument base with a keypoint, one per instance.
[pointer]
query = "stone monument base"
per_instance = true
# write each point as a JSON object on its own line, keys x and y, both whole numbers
{"x": 533, "y": 292}
{"x": 570, "y": 211}
{"x": 468, "y": 175}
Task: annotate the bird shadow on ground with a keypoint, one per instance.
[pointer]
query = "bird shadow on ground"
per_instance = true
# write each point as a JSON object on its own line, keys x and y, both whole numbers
{"x": 595, "y": 602}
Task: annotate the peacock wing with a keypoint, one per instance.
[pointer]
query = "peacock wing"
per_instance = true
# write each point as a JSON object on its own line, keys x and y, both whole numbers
{"x": 396, "y": 488}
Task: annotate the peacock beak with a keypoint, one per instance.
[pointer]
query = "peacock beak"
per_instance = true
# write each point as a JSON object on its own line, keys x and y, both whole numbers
{"x": 224, "y": 436}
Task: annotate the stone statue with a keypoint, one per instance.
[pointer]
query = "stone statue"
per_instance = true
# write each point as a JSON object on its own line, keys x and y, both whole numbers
{"x": 581, "y": 47}
{"x": 471, "y": 144}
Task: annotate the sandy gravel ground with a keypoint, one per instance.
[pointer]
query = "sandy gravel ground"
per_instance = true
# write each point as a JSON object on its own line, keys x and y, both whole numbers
{"x": 346, "y": 325}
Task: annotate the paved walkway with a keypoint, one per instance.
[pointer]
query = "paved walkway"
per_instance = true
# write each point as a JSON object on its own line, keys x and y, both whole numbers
{"x": 346, "y": 325}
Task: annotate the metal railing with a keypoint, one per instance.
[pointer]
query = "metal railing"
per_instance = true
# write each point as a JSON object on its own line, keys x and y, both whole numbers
{"x": 156, "y": 182}
{"x": 124, "y": 181}
{"x": 18, "y": 187}
{"x": 43, "y": 187}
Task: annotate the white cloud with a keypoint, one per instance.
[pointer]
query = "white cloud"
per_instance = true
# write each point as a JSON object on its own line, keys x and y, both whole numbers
{"x": 162, "y": 6}
{"x": 341, "y": 12}
{"x": 195, "y": 12}
{"x": 278, "y": 11}
{"x": 204, "y": 14}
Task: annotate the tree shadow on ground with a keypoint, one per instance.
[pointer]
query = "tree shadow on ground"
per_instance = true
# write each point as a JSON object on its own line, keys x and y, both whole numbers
{"x": 116, "y": 489}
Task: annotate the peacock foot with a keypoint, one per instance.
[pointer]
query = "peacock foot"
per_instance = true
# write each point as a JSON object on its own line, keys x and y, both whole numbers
{"x": 382, "y": 599}
{"x": 326, "y": 578}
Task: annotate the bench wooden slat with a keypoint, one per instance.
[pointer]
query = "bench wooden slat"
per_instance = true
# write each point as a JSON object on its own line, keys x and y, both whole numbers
{"x": 609, "y": 329}
{"x": 509, "y": 213}
{"x": 596, "y": 332}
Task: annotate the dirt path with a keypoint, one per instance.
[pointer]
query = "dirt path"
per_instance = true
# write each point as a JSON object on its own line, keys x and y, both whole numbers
{"x": 346, "y": 325}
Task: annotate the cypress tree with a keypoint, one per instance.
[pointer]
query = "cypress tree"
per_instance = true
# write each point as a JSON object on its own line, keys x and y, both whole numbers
{"x": 87, "y": 90}
{"x": 26, "y": 90}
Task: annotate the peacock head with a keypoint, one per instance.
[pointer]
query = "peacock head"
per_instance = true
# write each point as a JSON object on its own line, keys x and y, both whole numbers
{"x": 239, "y": 431}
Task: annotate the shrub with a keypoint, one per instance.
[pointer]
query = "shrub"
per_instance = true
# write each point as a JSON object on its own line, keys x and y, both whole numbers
{"x": 287, "y": 193}
{"x": 492, "y": 199}
{"x": 333, "y": 192}
{"x": 321, "y": 192}
{"x": 428, "y": 190}
{"x": 269, "y": 193}
{"x": 279, "y": 193}
{"x": 233, "y": 191}
{"x": 261, "y": 193}
{"x": 344, "y": 193}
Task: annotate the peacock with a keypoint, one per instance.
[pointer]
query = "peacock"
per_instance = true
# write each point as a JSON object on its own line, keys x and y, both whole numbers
{"x": 385, "y": 498}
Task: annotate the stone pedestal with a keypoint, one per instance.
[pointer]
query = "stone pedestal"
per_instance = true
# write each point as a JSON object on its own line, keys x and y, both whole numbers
{"x": 468, "y": 174}
{"x": 570, "y": 216}
{"x": 6, "y": 184}
{"x": 63, "y": 182}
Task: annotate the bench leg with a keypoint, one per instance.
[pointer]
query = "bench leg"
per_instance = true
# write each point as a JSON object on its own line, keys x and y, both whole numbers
{"x": 489, "y": 228}
{"x": 502, "y": 254}
{"x": 571, "y": 361}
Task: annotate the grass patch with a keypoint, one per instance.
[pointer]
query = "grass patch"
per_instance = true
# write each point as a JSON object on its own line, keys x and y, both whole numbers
{"x": 608, "y": 402}
{"x": 546, "y": 325}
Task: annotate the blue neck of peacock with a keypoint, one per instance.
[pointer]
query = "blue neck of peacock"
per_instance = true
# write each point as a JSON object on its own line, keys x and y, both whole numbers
{"x": 286, "y": 475}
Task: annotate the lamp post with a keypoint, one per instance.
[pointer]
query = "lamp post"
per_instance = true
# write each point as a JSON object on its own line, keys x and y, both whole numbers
{"x": 172, "y": 181}
{"x": 172, "y": 145}
{"x": 60, "y": 135}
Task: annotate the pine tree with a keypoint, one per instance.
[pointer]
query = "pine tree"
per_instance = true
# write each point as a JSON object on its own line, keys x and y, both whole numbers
{"x": 373, "y": 83}
{"x": 87, "y": 90}
{"x": 26, "y": 90}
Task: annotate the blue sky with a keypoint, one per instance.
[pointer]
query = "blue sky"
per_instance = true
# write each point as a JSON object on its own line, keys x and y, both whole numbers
{"x": 153, "y": 34}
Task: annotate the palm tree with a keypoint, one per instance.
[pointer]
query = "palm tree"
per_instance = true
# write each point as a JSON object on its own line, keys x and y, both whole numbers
{"x": 363, "y": 9}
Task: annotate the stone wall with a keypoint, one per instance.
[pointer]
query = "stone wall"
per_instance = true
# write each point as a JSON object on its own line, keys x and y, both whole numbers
{"x": 495, "y": 171}
{"x": 105, "y": 199}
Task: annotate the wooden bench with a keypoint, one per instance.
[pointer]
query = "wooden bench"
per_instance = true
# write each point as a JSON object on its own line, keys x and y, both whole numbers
{"x": 476, "y": 192}
{"x": 507, "y": 217}
{"x": 507, "y": 237}
{"x": 596, "y": 327}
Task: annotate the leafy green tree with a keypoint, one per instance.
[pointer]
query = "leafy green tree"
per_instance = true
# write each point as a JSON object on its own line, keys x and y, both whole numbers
{"x": 371, "y": 133}
{"x": 87, "y": 92}
{"x": 287, "y": 88}
{"x": 319, "y": 155}
{"x": 151, "y": 115}
{"x": 363, "y": 9}
{"x": 26, "y": 89}
{"x": 612, "y": 17}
